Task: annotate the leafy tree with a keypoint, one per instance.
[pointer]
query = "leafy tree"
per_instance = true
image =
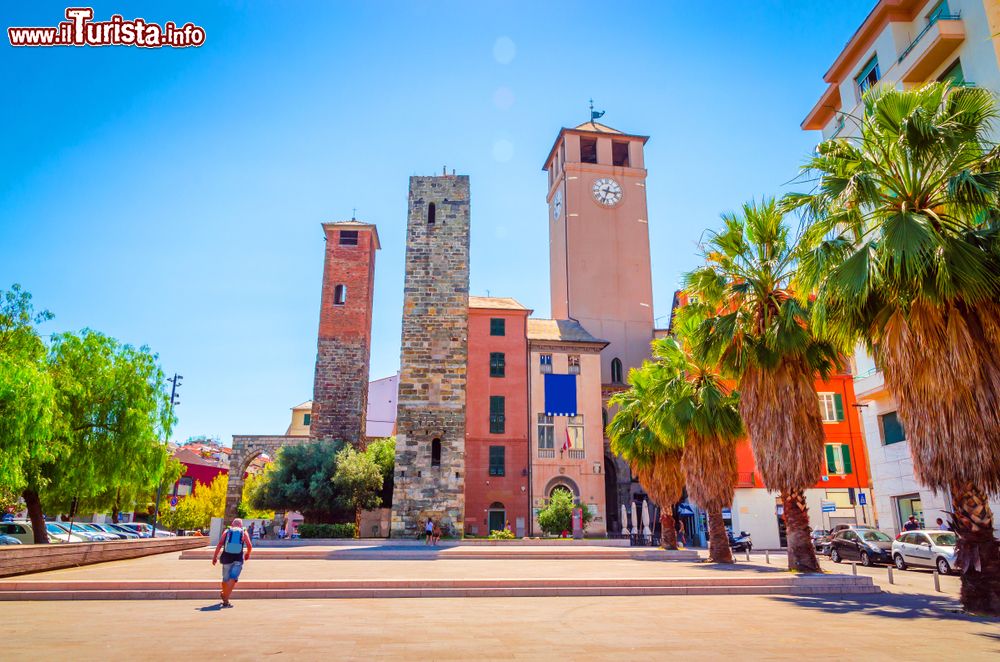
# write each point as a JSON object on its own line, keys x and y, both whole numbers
{"x": 251, "y": 485}
{"x": 901, "y": 246}
{"x": 655, "y": 460}
{"x": 196, "y": 510}
{"x": 383, "y": 451}
{"x": 112, "y": 412}
{"x": 557, "y": 515}
{"x": 759, "y": 334}
{"x": 26, "y": 391}
{"x": 301, "y": 480}
{"x": 357, "y": 481}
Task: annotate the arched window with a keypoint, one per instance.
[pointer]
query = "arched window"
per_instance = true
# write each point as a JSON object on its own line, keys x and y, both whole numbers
{"x": 431, "y": 212}
{"x": 616, "y": 371}
{"x": 436, "y": 453}
{"x": 340, "y": 295}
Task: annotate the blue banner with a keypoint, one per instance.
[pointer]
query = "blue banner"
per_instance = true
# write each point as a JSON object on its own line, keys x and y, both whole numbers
{"x": 560, "y": 395}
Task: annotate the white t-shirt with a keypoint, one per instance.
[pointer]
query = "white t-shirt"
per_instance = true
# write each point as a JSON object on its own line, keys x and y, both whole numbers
{"x": 429, "y": 527}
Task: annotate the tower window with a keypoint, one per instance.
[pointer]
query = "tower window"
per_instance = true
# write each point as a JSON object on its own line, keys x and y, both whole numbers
{"x": 306, "y": 419}
{"x": 498, "y": 364}
{"x": 497, "y": 461}
{"x": 588, "y": 150}
{"x": 498, "y": 326}
{"x": 619, "y": 154}
{"x": 436, "y": 453}
{"x": 348, "y": 237}
{"x": 573, "y": 361}
{"x": 616, "y": 371}
{"x": 340, "y": 295}
{"x": 498, "y": 414}
{"x": 431, "y": 214}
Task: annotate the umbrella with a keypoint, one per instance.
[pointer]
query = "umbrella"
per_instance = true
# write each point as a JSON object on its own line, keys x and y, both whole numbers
{"x": 624, "y": 521}
{"x": 645, "y": 519}
{"x": 635, "y": 520}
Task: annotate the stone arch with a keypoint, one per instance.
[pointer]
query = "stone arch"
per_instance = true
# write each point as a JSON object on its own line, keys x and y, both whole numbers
{"x": 562, "y": 481}
{"x": 245, "y": 449}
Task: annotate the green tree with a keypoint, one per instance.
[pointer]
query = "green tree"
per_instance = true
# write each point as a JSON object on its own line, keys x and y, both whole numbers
{"x": 901, "y": 246}
{"x": 383, "y": 451}
{"x": 251, "y": 485}
{"x": 196, "y": 510}
{"x": 357, "y": 481}
{"x": 759, "y": 334}
{"x": 26, "y": 392}
{"x": 301, "y": 481}
{"x": 655, "y": 460}
{"x": 557, "y": 515}
{"x": 696, "y": 407}
{"x": 112, "y": 414}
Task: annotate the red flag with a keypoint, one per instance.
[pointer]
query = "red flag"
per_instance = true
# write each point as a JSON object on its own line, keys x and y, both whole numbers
{"x": 567, "y": 444}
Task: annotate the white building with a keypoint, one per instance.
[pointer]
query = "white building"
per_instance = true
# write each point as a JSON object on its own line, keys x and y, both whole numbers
{"x": 904, "y": 43}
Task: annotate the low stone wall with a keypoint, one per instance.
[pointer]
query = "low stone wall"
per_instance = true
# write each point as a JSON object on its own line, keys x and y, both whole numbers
{"x": 21, "y": 559}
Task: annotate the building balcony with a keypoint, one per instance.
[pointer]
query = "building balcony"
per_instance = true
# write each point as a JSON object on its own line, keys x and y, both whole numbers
{"x": 869, "y": 383}
{"x": 575, "y": 454}
{"x": 745, "y": 479}
{"x": 546, "y": 453}
{"x": 932, "y": 48}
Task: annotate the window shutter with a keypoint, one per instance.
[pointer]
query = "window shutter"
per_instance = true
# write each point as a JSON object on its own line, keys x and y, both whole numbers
{"x": 846, "y": 450}
{"x": 831, "y": 463}
{"x": 838, "y": 402}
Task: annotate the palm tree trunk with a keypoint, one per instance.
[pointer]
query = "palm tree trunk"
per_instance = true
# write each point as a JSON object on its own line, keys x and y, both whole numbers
{"x": 718, "y": 542}
{"x": 801, "y": 553}
{"x": 357, "y": 522}
{"x": 34, "y": 506}
{"x": 978, "y": 550}
{"x": 668, "y": 530}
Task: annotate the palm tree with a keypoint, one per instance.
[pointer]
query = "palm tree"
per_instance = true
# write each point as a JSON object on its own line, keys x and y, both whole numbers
{"x": 654, "y": 460}
{"x": 758, "y": 333}
{"x": 696, "y": 406}
{"x": 900, "y": 246}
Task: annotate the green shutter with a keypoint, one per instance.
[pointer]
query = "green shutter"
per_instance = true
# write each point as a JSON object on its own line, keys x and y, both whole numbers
{"x": 838, "y": 403}
{"x": 831, "y": 463}
{"x": 846, "y": 450}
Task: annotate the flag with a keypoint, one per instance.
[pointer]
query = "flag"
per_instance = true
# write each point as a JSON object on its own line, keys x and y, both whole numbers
{"x": 567, "y": 444}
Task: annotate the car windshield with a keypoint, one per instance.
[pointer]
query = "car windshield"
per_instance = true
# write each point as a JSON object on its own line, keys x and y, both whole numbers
{"x": 944, "y": 539}
{"x": 871, "y": 535}
{"x": 54, "y": 528}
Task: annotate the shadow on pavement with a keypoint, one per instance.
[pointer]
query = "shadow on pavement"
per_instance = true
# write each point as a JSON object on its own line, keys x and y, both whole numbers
{"x": 216, "y": 607}
{"x": 887, "y": 605}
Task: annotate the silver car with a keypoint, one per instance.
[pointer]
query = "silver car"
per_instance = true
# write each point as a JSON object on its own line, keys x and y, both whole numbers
{"x": 926, "y": 548}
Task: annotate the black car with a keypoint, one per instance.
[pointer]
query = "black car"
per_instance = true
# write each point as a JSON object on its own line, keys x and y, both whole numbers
{"x": 870, "y": 546}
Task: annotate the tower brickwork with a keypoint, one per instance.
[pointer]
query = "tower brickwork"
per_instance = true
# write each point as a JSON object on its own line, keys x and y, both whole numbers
{"x": 340, "y": 387}
{"x": 430, "y": 438}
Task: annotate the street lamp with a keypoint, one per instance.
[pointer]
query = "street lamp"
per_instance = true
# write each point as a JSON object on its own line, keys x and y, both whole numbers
{"x": 175, "y": 381}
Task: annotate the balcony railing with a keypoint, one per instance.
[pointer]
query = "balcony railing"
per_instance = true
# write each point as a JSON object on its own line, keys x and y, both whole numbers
{"x": 546, "y": 453}
{"x": 575, "y": 454}
{"x": 913, "y": 44}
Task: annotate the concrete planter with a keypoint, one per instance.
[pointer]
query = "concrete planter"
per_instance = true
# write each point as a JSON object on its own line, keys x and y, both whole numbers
{"x": 21, "y": 559}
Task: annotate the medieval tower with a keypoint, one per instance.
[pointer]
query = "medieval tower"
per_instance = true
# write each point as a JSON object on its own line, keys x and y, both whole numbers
{"x": 430, "y": 438}
{"x": 340, "y": 387}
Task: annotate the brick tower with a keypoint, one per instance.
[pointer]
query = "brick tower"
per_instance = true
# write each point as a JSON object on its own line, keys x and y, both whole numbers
{"x": 340, "y": 387}
{"x": 430, "y": 437}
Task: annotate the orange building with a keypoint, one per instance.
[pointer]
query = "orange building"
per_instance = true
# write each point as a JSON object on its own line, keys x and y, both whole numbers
{"x": 496, "y": 420}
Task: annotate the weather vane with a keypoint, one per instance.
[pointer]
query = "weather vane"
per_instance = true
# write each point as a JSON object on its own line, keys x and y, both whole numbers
{"x": 595, "y": 114}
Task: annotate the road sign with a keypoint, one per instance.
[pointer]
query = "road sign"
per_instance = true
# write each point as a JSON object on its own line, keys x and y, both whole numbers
{"x": 828, "y": 506}
{"x": 826, "y": 479}
{"x": 862, "y": 499}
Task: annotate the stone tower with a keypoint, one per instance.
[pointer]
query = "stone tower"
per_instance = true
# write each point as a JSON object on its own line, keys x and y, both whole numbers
{"x": 340, "y": 387}
{"x": 430, "y": 422}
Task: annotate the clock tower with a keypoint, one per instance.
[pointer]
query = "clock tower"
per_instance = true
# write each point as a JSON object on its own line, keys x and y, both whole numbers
{"x": 599, "y": 258}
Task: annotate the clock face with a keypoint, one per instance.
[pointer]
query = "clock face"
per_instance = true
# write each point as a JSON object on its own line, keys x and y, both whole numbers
{"x": 557, "y": 205}
{"x": 607, "y": 191}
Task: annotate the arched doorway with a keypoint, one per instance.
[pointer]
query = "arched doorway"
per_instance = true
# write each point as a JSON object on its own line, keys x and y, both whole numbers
{"x": 245, "y": 450}
{"x": 497, "y": 516}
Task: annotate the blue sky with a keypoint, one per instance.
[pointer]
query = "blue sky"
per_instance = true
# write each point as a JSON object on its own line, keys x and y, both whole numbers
{"x": 173, "y": 198}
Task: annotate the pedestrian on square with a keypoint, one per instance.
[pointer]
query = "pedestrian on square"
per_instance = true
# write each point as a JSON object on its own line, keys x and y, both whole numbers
{"x": 435, "y": 534}
{"x": 942, "y": 526}
{"x": 235, "y": 546}
{"x": 911, "y": 524}
{"x": 429, "y": 530}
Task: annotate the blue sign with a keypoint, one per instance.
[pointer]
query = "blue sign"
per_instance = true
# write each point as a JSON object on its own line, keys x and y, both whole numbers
{"x": 862, "y": 499}
{"x": 828, "y": 506}
{"x": 173, "y": 501}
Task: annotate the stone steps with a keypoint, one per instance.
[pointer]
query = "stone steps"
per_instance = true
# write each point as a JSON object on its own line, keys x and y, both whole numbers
{"x": 459, "y": 588}
{"x": 349, "y": 554}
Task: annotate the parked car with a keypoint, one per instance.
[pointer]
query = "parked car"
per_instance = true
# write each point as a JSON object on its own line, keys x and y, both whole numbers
{"x": 21, "y": 531}
{"x": 146, "y": 530}
{"x": 118, "y": 528}
{"x": 870, "y": 546}
{"x": 926, "y": 548}
{"x": 59, "y": 533}
{"x": 89, "y": 531}
{"x": 119, "y": 535}
{"x": 8, "y": 540}
{"x": 820, "y": 539}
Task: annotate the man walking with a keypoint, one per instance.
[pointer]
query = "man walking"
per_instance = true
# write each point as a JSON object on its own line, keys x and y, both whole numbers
{"x": 911, "y": 524}
{"x": 235, "y": 547}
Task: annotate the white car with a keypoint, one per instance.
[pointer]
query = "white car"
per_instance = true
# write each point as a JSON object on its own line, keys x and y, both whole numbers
{"x": 926, "y": 548}
{"x": 59, "y": 533}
